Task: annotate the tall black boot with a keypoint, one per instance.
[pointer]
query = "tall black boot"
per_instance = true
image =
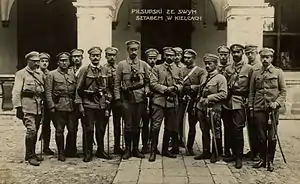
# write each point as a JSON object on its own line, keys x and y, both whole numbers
{"x": 165, "y": 151}
{"x": 175, "y": 149}
{"x": 239, "y": 153}
{"x": 71, "y": 150}
{"x": 60, "y": 147}
{"x": 30, "y": 156}
{"x": 100, "y": 150}
{"x": 190, "y": 143}
{"x": 135, "y": 150}
{"x": 271, "y": 155}
{"x": 128, "y": 139}
{"x": 154, "y": 139}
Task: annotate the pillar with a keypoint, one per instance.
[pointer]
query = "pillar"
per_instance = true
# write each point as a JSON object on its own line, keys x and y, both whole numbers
{"x": 245, "y": 21}
{"x": 94, "y": 25}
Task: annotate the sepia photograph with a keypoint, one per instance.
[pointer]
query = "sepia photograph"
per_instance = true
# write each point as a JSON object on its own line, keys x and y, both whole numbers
{"x": 150, "y": 91}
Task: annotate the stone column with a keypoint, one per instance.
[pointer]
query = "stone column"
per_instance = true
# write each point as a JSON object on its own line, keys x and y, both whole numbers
{"x": 245, "y": 21}
{"x": 94, "y": 24}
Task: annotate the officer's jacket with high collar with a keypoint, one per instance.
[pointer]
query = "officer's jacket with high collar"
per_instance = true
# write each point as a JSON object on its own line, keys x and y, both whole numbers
{"x": 238, "y": 80}
{"x": 111, "y": 75}
{"x": 60, "y": 90}
{"x": 164, "y": 76}
{"x": 91, "y": 89}
{"x": 28, "y": 90}
{"x": 132, "y": 91}
{"x": 267, "y": 86}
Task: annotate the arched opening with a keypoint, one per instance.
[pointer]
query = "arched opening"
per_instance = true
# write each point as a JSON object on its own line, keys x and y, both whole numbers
{"x": 46, "y": 26}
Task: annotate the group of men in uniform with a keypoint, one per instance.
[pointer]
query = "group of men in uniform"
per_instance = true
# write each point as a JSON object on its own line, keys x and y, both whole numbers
{"x": 144, "y": 94}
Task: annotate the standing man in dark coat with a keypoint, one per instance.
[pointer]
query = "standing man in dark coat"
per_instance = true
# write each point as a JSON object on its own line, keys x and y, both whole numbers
{"x": 132, "y": 81}
{"x": 111, "y": 56}
{"x": 46, "y": 128}
{"x": 60, "y": 94}
{"x": 238, "y": 76}
{"x": 267, "y": 95}
{"x": 166, "y": 83}
{"x": 211, "y": 95}
{"x": 93, "y": 98}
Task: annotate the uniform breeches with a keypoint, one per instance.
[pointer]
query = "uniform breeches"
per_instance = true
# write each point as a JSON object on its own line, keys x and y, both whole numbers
{"x": 228, "y": 130}
{"x": 117, "y": 114}
{"x": 32, "y": 124}
{"x": 132, "y": 114}
{"x": 159, "y": 113}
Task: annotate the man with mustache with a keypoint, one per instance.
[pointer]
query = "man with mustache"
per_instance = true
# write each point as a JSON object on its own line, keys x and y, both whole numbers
{"x": 238, "y": 76}
{"x": 267, "y": 95}
{"x": 60, "y": 94}
{"x": 27, "y": 98}
{"x": 132, "y": 82}
{"x": 211, "y": 95}
{"x": 151, "y": 58}
{"x": 46, "y": 128}
{"x": 93, "y": 98}
{"x": 224, "y": 54}
{"x": 251, "y": 53}
{"x": 76, "y": 58}
{"x": 166, "y": 83}
{"x": 111, "y": 55}
{"x": 194, "y": 76}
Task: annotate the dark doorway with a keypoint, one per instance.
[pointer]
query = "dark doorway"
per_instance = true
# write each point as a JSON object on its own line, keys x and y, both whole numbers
{"x": 46, "y": 26}
{"x": 158, "y": 34}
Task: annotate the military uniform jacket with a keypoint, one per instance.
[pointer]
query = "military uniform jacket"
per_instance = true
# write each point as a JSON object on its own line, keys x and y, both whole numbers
{"x": 180, "y": 65}
{"x": 132, "y": 91}
{"x": 28, "y": 90}
{"x": 214, "y": 89}
{"x": 256, "y": 64}
{"x": 194, "y": 80}
{"x": 111, "y": 75}
{"x": 91, "y": 88}
{"x": 221, "y": 68}
{"x": 60, "y": 90}
{"x": 266, "y": 87}
{"x": 238, "y": 80}
{"x": 162, "y": 77}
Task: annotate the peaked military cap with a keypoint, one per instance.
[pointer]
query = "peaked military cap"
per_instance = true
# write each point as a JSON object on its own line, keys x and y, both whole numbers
{"x": 76, "y": 52}
{"x": 34, "y": 55}
{"x": 266, "y": 52}
{"x": 237, "y": 46}
{"x": 112, "y": 50}
{"x": 169, "y": 50}
{"x": 151, "y": 52}
{"x": 132, "y": 42}
{"x": 95, "y": 49}
{"x": 44, "y": 55}
{"x": 178, "y": 50}
{"x": 208, "y": 57}
{"x": 190, "y": 52}
{"x": 63, "y": 55}
{"x": 223, "y": 49}
{"x": 250, "y": 48}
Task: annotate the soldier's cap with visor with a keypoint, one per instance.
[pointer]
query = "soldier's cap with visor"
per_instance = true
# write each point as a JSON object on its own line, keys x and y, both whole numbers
{"x": 250, "y": 48}
{"x": 223, "y": 49}
{"x": 112, "y": 50}
{"x": 152, "y": 52}
{"x": 95, "y": 50}
{"x": 266, "y": 52}
{"x": 132, "y": 43}
{"x": 178, "y": 50}
{"x": 190, "y": 52}
{"x": 34, "y": 55}
{"x": 44, "y": 55}
{"x": 208, "y": 57}
{"x": 63, "y": 55}
{"x": 76, "y": 52}
{"x": 236, "y": 46}
{"x": 169, "y": 50}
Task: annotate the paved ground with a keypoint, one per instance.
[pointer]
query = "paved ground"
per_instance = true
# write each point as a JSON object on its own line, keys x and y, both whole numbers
{"x": 181, "y": 170}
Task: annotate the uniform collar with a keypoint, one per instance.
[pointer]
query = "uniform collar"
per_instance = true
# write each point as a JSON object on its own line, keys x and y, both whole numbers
{"x": 213, "y": 73}
{"x": 132, "y": 61}
{"x": 179, "y": 64}
{"x": 94, "y": 66}
{"x": 270, "y": 69}
{"x": 32, "y": 71}
{"x": 168, "y": 65}
{"x": 62, "y": 72}
{"x": 224, "y": 66}
{"x": 114, "y": 66}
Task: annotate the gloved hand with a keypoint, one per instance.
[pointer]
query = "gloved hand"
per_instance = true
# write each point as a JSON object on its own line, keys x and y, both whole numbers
{"x": 20, "y": 113}
{"x": 81, "y": 110}
{"x": 170, "y": 89}
{"x": 204, "y": 101}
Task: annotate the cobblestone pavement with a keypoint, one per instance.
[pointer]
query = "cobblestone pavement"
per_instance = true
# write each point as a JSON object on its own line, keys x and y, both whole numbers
{"x": 183, "y": 169}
